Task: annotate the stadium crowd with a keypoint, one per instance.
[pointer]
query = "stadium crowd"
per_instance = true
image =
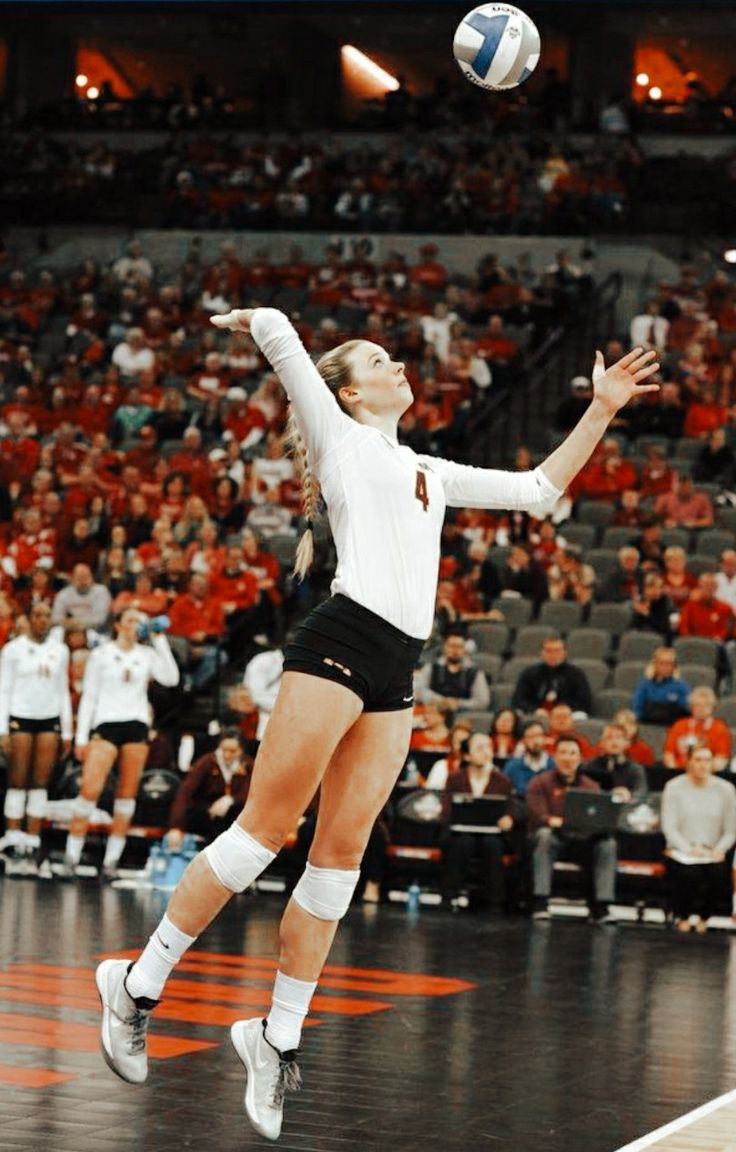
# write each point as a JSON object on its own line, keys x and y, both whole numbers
{"x": 142, "y": 467}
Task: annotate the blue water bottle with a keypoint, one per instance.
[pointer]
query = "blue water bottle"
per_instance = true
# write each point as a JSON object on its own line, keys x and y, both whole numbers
{"x": 412, "y": 897}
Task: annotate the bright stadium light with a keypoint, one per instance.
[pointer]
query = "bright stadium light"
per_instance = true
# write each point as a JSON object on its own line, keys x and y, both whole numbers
{"x": 655, "y": 93}
{"x": 642, "y": 79}
{"x": 369, "y": 67}
{"x": 730, "y": 255}
{"x": 81, "y": 80}
{"x": 92, "y": 93}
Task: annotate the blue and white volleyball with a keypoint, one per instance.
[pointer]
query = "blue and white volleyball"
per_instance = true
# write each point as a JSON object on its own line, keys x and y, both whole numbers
{"x": 496, "y": 46}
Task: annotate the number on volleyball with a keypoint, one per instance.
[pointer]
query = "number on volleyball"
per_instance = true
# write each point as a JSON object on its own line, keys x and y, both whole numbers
{"x": 496, "y": 46}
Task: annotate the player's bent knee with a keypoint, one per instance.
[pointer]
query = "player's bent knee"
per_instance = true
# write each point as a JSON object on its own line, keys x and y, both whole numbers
{"x": 326, "y": 892}
{"x": 124, "y": 807}
{"x": 237, "y": 859}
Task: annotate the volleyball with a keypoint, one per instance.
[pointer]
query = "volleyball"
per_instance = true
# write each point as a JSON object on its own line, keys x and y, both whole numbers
{"x": 496, "y": 46}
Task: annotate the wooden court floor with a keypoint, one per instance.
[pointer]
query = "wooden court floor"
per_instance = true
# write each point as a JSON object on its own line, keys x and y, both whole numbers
{"x": 428, "y": 1031}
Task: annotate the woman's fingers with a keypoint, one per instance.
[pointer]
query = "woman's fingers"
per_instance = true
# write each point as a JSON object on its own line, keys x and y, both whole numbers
{"x": 644, "y": 372}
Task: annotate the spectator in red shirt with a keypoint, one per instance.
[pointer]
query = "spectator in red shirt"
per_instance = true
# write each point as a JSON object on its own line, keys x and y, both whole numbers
{"x": 678, "y": 582}
{"x": 197, "y": 627}
{"x": 701, "y": 729}
{"x": 704, "y": 414}
{"x": 80, "y": 546}
{"x": 685, "y": 507}
{"x": 33, "y": 544}
{"x": 656, "y": 477}
{"x": 19, "y": 452}
{"x": 704, "y": 615}
{"x": 610, "y": 476}
{"x": 144, "y": 596}
{"x": 561, "y": 724}
{"x": 428, "y": 272}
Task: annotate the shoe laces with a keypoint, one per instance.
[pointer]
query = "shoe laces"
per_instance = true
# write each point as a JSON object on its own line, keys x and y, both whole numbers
{"x": 137, "y": 1022}
{"x": 289, "y": 1078}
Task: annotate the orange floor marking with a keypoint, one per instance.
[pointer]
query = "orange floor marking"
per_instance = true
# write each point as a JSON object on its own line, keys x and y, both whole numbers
{"x": 70, "y": 1036}
{"x": 33, "y": 1077}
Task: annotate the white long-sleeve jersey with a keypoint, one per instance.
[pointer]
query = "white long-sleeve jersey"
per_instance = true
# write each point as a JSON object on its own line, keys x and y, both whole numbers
{"x": 34, "y": 682}
{"x": 262, "y": 679}
{"x": 385, "y": 503}
{"x": 115, "y": 686}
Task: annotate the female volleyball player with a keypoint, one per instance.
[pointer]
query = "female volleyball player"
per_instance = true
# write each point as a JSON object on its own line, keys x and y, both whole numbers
{"x": 343, "y": 715}
{"x": 112, "y": 724}
{"x": 35, "y": 717}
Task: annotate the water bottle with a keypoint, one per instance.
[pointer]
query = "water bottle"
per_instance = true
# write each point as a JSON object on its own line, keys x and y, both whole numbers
{"x": 412, "y": 897}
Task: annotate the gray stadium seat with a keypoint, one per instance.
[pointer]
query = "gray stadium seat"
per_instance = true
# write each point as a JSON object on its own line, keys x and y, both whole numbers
{"x": 582, "y": 536}
{"x": 490, "y": 663}
{"x": 726, "y": 709}
{"x": 596, "y": 512}
{"x": 513, "y": 668}
{"x": 616, "y": 618}
{"x": 726, "y": 519}
{"x": 602, "y": 561}
{"x": 713, "y": 541}
{"x": 489, "y": 636}
{"x": 697, "y": 675}
{"x": 617, "y": 535}
{"x": 608, "y": 702}
{"x": 696, "y": 650}
{"x": 702, "y": 563}
{"x": 530, "y": 638}
{"x": 686, "y": 448}
{"x": 676, "y": 538}
{"x": 654, "y": 735}
{"x": 637, "y": 646}
{"x": 590, "y": 728}
{"x": 501, "y": 695}
{"x": 515, "y": 611}
{"x": 627, "y": 675}
{"x": 586, "y": 643}
{"x": 562, "y": 615}
{"x": 597, "y": 673}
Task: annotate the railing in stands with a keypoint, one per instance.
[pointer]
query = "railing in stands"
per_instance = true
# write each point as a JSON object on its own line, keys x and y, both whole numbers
{"x": 525, "y": 414}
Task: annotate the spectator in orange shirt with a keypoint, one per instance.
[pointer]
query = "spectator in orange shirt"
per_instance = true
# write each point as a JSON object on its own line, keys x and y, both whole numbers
{"x": 701, "y": 729}
{"x": 684, "y": 507}
{"x": 197, "y": 627}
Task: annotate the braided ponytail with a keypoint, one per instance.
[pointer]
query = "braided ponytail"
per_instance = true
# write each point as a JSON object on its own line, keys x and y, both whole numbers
{"x": 335, "y": 369}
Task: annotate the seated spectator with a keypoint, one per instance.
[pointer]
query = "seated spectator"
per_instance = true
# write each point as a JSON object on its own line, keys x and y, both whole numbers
{"x": 212, "y": 793}
{"x": 561, "y": 722}
{"x": 545, "y": 805}
{"x": 552, "y": 681}
{"x": 197, "y": 628}
{"x": 522, "y": 576}
{"x": 700, "y": 729}
{"x": 653, "y": 609}
{"x": 624, "y": 582}
{"x": 608, "y": 475}
{"x": 637, "y": 749}
{"x": 430, "y": 732}
{"x": 678, "y": 582}
{"x": 568, "y": 578}
{"x": 726, "y": 579}
{"x": 83, "y": 601}
{"x": 477, "y": 776}
{"x": 629, "y": 513}
{"x": 133, "y": 356}
{"x": 531, "y": 758}
{"x": 704, "y": 415}
{"x": 460, "y": 733}
{"x": 613, "y": 770}
{"x": 573, "y": 407}
{"x": 699, "y": 826}
{"x": 661, "y": 697}
{"x": 81, "y": 546}
{"x": 649, "y": 329}
{"x": 144, "y": 596}
{"x": 657, "y": 478}
{"x": 684, "y": 507}
{"x": 703, "y": 614}
{"x": 505, "y": 734}
{"x": 453, "y": 680}
{"x": 716, "y": 461}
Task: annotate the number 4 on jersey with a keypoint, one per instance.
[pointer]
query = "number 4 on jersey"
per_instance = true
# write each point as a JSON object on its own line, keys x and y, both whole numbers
{"x": 420, "y": 491}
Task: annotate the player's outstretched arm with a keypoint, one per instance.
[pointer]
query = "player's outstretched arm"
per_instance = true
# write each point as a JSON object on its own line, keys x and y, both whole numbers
{"x": 613, "y": 388}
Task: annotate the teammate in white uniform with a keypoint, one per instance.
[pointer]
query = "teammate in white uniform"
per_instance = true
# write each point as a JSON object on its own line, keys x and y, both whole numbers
{"x": 342, "y": 719}
{"x": 112, "y": 724}
{"x": 35, "y": 718}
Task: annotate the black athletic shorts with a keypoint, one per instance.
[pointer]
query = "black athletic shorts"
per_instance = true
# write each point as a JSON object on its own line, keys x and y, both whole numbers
{"x": 345, "y": 642}
{"x": 121, "y": 732}
{"x": 22, "y": 724}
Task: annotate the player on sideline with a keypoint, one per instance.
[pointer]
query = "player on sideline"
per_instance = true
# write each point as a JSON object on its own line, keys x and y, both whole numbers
{"x": 112, "y": 724}
{"x": 35, "y": 717}
{"x": 343, "y": 714}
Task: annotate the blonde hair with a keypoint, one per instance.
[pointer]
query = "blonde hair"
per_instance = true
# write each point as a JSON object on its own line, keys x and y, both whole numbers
{"x": 336, "y": 371}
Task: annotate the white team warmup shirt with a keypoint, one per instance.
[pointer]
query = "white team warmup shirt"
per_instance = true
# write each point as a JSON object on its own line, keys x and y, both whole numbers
{"x": 386, "y": 504}
{"x": 115, "y": 686}
{"x": 262, "y": 679}
{"x": 34, "y": 683}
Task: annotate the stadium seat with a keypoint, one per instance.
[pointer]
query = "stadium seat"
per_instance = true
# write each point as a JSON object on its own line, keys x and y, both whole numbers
{"x": 609, "y": 701}
{"x": 697, "y": 675}
{"x": 515, "y": 611}
{"x": 696, "y": 650}
{"x": 602, "y": 560}
{"x": 686, "y": 448}
{"x": 615, "y": 618}
{"x": 490, "y": 663}
{"x": 596, "y": 672}
{"x": 676, "y": 538}
{"x": 562, "y": 615}
{"x": 587, "y": 643}
{"x": 638, "y": 646}
{"x": 726, "y": 519}
{"x": 591, "y": 728}
{"x": 480, "y": 721}
{"x": 502, "y": 695}
{"x": 513, "y": 668}
{"x": 713, "y": 541}
{"x": 698, "y": 564}
{"x": 596, "y": 512}
{"x": 726, "y": 710}
{"x": 283, "y": 548}
{"x": 654, "y": 735}
{"x": 627, "y": 675}
{"x": 529, "y": 639}
{"x": 616, "y": 536}
{"x": 489, "y": 636}
{"x": 583, "y": 536}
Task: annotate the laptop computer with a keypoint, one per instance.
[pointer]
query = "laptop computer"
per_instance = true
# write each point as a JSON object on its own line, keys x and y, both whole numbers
{"x": 590, "y": 813}
{"x": 477, "y": 813}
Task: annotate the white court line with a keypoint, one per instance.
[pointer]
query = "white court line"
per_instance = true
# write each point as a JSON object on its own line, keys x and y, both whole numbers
{"x": 680, "y": 1123}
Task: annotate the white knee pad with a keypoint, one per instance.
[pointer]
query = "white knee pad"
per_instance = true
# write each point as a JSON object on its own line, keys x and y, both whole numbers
{"x": 82, "y": 809}
{"x": 237, "y": 859}
{"x": 124, "y": 808}
{"x": 326, "y": 892}
{"x": 15, "y": 804}
{"x": 36, "y": 806}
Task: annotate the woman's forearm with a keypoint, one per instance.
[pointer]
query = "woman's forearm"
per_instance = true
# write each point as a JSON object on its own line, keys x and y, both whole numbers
{"x": 562, "y": 466}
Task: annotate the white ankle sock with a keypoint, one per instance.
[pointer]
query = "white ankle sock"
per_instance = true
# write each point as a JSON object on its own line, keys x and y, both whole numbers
{"x": 113, "y": 851}
{"x": 289, "y": 1006}
{"x": 73, "y": 849}
{"x": 152, "y": 969}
